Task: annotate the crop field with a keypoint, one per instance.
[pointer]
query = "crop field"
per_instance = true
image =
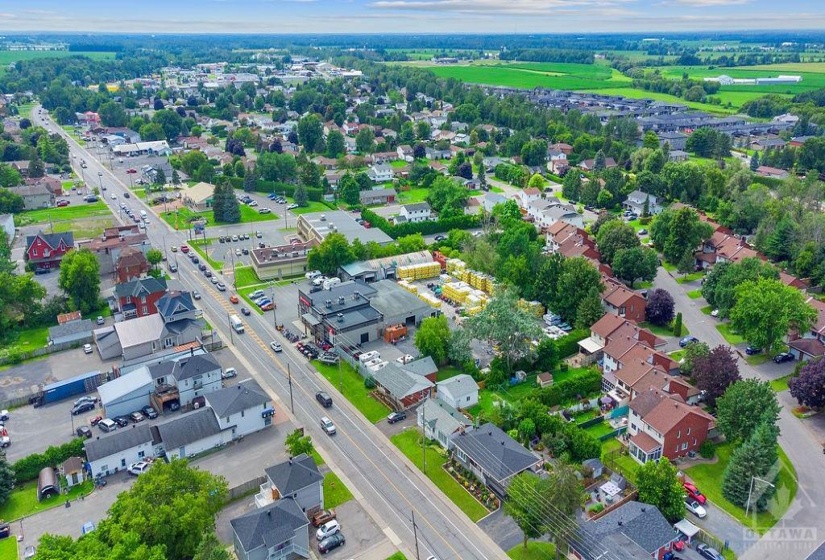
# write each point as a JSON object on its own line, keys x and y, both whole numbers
{"x": 7, "y": 57}
{"x": 529, "y": 75}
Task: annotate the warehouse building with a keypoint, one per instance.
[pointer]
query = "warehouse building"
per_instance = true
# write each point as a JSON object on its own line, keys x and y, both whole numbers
{"x": 384, "y": 268}
{"x": 398, "y": 306}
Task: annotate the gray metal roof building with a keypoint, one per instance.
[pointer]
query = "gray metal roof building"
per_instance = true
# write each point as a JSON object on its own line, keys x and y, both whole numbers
{"x": 245, "y": 395}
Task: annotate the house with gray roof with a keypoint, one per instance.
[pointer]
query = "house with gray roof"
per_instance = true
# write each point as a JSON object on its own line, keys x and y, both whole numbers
{"x": 298, "y": 479}
{"x": 73, "y": 332}
{"x": 192, "y": 433}
{"x": 417, "y": 212}
{"x": 632, "y": 530}
{"x": 400, "y": 387}
{"x": 493, "y": 456}
{"x": 277, "y": 531}
{"x": 192, "y": 376}
{"x": 490, "y": 200}
{"x": 127, "y": 393}
{"x": 115, "y": 452}
{"x": 460, "y": 391}
{"x": 243, "y": 408}
{"x": 440, "y": 421}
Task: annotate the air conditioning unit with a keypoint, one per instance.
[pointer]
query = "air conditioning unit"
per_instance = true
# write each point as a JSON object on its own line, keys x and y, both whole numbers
{"x": 340, "y": 317}
{"x": 341, "y": 300}
{"x": 328, "y": 303}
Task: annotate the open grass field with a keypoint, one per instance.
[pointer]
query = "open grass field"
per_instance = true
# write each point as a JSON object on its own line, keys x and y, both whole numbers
{"x": 533, "y": 74}
{"x": 312, "y": 206}
{"x": 8, "y": 549}
{"x": 708, "y": 476}
{"x": 7, "y": 57}
{"x": 533, "y": 551}
{"x": 409, "y": 442}
{"x": 23, "y": 500}
{"x": 76, "y": 211}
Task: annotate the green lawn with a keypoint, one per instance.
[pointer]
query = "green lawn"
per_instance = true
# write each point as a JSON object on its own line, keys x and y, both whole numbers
{"x": 7, "y": 57}
{"x": 559, "y": 376}
{"x": 727, "y": 333}
{"x": 600, "y": 429}
{"x": 529, "y": 75}
{"x": 708, "y": 478}
{"x": 8, "y": 549}
{"x": 610, "y": 446}
{"x": 23, "y": 500}
{"x": 687, "y": 278}
{"x": 409, "y": 442}
{"x": 666, "y": 330}
{"x": 533, "y": 551}
{"x": 757, "y": 359}
{"x": 182, "y": 215}
{"x": 28, "y": 340}
{"x": 201, "y": 247}
{"x": 694, "y": 294}
{"x": 397, "y": 556}
{"x": 311, "y": 207}
{"x": 353, "y": 389}
{"x": 317, "y": 457}
{"x": 245, "y": 276}
{"x": 398, "y": 164}
{"x": 627, "y": 466}
{"x": 781, "y": 384}
{"x": 335, "y": 492}
{"x": 707, "y": 310}
{"x": 447, "y": 372}
{"x": 677, "y": 355}
{"x": 413, "y": 195}
{"x": 66, "y": 214}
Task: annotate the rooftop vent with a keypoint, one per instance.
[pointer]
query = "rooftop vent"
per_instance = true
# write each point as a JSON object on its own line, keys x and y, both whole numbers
{"x": 340, "y": 317}
{"x": 328, "y": 303}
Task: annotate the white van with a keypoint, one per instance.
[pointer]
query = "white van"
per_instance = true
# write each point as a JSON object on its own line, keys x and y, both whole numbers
{"x": 330, "y": 283}
{"x": 367, "y": 356}
{"x": 237, "y": 324}
{"x": 107, "y": 425}
{"x": 143, "y": 213}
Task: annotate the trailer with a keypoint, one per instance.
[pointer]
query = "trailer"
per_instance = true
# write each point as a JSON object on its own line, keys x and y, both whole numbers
{"x": 84, "y": 383}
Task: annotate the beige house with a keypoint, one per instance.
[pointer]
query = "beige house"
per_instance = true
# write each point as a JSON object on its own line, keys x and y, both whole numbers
{"x": 199, "y": 197}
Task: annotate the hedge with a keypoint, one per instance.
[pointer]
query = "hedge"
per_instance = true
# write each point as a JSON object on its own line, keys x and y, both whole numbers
{"x": 569, "y": 344}
{"x": 286, "y": 189}
{"x": 28, "y": 468}
{"x": 770, "y": 182}
{"x": 464, "y": 221}
{"x": 571, "y": 389}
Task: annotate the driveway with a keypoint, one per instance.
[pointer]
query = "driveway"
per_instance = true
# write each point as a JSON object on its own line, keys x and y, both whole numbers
{"x": 502, "y": 529}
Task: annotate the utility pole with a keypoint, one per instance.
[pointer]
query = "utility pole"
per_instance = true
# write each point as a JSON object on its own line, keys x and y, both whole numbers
{"x": 231, "y": 328}
{"x": 274, "y": 316}
{"x": 289, "y": 373}
{"x": 424, "y": 437}
{"x": 415, "y": 536}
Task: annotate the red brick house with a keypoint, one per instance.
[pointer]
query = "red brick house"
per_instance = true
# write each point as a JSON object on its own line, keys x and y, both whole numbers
{"x": 622, "y": 301}
{"x": 139, "y": 298}
{"x": 663, "y": 425}
{"x": 46, "y": 251}
{"x": 131, "y": 264}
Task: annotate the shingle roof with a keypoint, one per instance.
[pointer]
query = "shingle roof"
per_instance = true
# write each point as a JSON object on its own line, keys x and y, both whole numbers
{"x": 270, "y": 525}
{"x": 294, "y": 475}
{"x": 121, "y": 440}
{"x": 422, "y": 366}
{"x": 438, "y": 413}
{"x": 400, "y": 383}
{"x": 669, "y": 413}
{"x": 53, "y": 239}
{"x": 168, "y": 304}
{"x": 70, "y": 328}
{"x": 140, "y": 286}
{"x": 185, "y": 367}
{"x": 494, "y": 451}
{"x": 642, "y": 523}
{"x": 458, "y": 386}
{"x": 243, "y": 396}
{"x": 189, "y": 428}
{"x": 418, "y": 206}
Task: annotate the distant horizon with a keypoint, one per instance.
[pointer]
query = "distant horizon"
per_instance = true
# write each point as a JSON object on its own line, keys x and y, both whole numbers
{"x": 411, "y": 17}
{"x": 649, "y": 34}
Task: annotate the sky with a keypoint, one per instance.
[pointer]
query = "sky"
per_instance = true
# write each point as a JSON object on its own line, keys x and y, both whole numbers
{"x": 408, "y": 16}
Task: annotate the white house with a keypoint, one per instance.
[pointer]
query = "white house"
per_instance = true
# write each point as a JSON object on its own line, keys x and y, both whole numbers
{"x": 460, "y": 391}
{"x": 193, "y": 376}
{"x": 114, "y": 453}
{"x": 490, "y": 200}
{"x": 418, "y": 212}
{"x": 380, "y": 173}
{"x": 636, "y": 203}
{"x": 405, "y": 153}
{"x": 439, "y": 421}
{"x": 242, "y": 409}
{"x": 527, "y": 196}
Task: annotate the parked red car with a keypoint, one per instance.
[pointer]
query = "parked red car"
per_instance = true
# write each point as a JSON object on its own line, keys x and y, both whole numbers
{"x": 131, "y": 170}
{"x": 62, "y": 203}
{"x": 95, "y": 420}
{"x": 694, "y": 493}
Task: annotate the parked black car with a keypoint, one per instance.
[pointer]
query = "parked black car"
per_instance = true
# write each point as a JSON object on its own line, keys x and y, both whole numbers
{"x": 752, "y": 350}
{"x": 149, "y": 412}
{"x": 396, "y": 417}
{"x": 84, "y": 432}
{"x": 331, "y": 542}
{"x": 121, "y": 421}
{"x": 82, "y": 407}
{"x": 783, "y": 357}
{"x": 707, "y": 552}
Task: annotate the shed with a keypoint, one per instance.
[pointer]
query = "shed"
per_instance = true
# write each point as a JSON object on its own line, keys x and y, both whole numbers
{"x": 47, "y": 484}
{"x": 545, "y": 380}
{"x": 72, "y": 469}
{"x": 595, "y": 465}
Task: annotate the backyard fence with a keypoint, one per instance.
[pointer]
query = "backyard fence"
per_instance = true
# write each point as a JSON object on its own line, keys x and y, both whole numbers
{"x": 709, "y": 540}
{"x": 16, "y": 357}
{"x": 242, "y": 490}
{"x": 589, "y": 423}
{"x": 613, "y": 434}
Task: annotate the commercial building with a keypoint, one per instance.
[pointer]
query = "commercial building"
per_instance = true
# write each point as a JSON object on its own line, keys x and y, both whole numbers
{"x": 278, "y": 262}
{"x": 317, "y": 225}
{"x": 383, "y": 268}
{"x": 397, "y": 306}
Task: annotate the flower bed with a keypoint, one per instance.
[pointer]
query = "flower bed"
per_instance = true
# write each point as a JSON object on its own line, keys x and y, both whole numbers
{"x": 470, "y": 483}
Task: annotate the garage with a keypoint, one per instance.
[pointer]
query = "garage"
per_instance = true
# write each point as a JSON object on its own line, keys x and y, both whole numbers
{"x": 127, "y": 393}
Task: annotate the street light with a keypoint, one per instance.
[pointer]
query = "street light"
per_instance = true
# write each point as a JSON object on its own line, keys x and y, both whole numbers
{"x": 100, "y": 178}
{"x": 274, "y": 308}
{"x": 750, "y": 491}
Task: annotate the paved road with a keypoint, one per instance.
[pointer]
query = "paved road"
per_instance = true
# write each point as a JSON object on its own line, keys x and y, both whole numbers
{"x": 382, "y": 479}
{"x": 802, "y": 528}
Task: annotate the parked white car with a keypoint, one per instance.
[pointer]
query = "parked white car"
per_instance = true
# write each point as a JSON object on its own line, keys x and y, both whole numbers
{"x": 696, "y": 509}
{"x": 327, "y": 529}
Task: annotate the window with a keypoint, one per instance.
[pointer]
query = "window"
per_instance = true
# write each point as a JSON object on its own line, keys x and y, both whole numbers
{"x": 141, "y": 454}
{"x": 169, "y": 341}
{"x": 145, "y": 310}
{"x": 34, "y": 252}
{"x": 104, "y": 468}
{"x": 227, "y": 419}
{"x": 684, "y": 446}
{"x": 142, "y": 299}
{"x": 688, "y": 432}
{"x": 468, "y": 398}
{"x": 242, "y": 413}
{"x": 461, "y": 455}
{"x": 123, "y": 462}
{"x": 679, "y": 434}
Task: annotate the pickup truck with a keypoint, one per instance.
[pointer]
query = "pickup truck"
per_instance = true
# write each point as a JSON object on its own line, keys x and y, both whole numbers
{"x": 322, "y": 517}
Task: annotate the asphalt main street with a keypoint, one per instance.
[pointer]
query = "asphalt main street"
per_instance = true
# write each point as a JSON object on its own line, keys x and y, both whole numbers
{"x": 387, "y": 485}
{"x": 802, "y": 528}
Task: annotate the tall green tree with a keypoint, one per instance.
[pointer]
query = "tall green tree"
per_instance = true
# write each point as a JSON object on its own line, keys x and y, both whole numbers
{"x": 365, "y": 141}
{"x": 745, "y": 405}
{"x": 614, "y": 236}
{"x": 766, "y": 309}
{"x": 589, "y": 310}
{"x": 565, "y": 493}
{"x": 249, "y": 181}
{"x": 298, "y": 443}
{"x": 504, "y": 323}
{"x": 154, "y": 256}
{"x": 311, "y": 133}
{"x": 755, "y": 459}
{"x": 80, "y": 279}
{"x": 659, "y": 485}
{"x": 300, "y": 196}
{"x": 6, "y": 480}
{"x": 719, "y": 288}
{"x": 636, "y": 263}
{"x": 349, "y": 189}
{"x": 577, "y": 280}
{"x": 332, "y": 252}
{"x": 336, "y": 146}
{"x": 527, "y": 504}
{"x": 433, "y": 338}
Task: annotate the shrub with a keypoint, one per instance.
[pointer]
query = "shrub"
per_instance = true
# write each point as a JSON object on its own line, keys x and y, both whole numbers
{"x": 707, "y": 450}
{"x": 28, "y": 468}
{"x": 596, "y": 508}
{"x": 569, "y": 345}
{"x": 571, "y": 389}
{"x": 464, "y": 221}
{"x": 369, "y": 382}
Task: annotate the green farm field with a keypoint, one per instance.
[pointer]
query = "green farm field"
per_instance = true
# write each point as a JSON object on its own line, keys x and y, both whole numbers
{"x": 529, "y": 75}
{"x": 7, "y": 57}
